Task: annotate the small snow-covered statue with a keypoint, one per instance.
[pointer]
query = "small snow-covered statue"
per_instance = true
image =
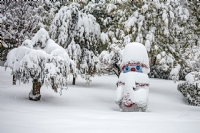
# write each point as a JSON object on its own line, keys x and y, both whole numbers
{"x": 133, "y": 83}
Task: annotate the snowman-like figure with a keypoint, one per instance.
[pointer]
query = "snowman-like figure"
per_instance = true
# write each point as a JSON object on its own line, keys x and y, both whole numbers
{"x": 133, "y": 83}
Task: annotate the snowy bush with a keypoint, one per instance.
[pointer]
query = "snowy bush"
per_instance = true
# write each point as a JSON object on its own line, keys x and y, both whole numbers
{"x": 41, "y": 61}
{"x": 191, "y": 88}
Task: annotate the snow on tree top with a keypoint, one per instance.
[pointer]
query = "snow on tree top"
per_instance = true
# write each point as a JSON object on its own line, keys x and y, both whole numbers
{"x": 28, "y": 43}
{"x": 41, "y": 37}
{"x": 51, "y": 46}
{"x": 135, "y": 52}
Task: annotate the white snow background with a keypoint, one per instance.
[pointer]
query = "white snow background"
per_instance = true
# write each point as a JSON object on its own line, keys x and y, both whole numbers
{"x": 91, "y": 109}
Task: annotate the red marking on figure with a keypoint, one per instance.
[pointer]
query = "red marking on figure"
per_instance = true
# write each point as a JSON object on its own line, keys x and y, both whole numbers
{"x": 133, "y": 69}
{"x": 134, "y": 63}
{"x": 129, "y": 105}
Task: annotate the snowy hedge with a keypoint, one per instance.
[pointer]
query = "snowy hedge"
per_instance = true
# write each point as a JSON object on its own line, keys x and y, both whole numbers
{"x": 191, "y": 88}
{"x": 191, "y": 92}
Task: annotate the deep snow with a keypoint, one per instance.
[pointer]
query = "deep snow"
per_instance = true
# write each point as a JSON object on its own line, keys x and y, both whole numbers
{"x": 91, "y": 109}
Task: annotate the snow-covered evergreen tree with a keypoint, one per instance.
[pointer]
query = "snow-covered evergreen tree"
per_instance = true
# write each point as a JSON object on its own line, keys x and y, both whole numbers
{"x": 162, "y": 26}
{"x": 191, "y": 58}
{"x": 80, "y": 34}
{"x": 64, "y": 24}
{"x": 167, "y": 28}
{"x": 19, "y": 22}
{"x": 41, "y": 61}
{"x": 47, "y": 12}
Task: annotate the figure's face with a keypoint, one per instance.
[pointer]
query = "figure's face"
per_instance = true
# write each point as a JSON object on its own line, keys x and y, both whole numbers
{"x": 132, "y": 69}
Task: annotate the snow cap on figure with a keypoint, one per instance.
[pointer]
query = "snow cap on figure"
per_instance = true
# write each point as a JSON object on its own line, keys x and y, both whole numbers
{"x": 135, "y": 54}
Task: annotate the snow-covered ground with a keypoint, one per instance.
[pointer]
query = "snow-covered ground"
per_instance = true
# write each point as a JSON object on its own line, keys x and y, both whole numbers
{"x": 91, "y": 109}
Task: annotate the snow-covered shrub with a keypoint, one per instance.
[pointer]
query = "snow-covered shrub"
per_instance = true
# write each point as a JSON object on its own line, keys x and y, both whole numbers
{"x": 191, "y": 88}
{"x": 41, "y": 61}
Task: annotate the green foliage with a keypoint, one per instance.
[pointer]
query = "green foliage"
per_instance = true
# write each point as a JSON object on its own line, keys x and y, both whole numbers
{"x": 168, "y": 27}
{"x": 19, "y": 22}
{"x": 3, "y": 53}
{"x": 191, "y": 92}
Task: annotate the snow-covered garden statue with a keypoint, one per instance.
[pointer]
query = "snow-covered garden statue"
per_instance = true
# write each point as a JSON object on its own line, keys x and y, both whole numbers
{"x": 41, "y": 61}
{"x": 133, "y": 83}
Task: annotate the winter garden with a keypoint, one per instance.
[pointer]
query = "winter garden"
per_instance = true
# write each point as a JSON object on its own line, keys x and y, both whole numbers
{"x": 115, "y": 65}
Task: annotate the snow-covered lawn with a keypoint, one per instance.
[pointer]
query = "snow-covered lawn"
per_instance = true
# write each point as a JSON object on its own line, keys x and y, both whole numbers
{"x": 91, "y": 109}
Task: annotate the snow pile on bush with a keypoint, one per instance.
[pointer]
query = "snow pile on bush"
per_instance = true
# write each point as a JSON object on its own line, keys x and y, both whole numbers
{"x": 191, "y": 88}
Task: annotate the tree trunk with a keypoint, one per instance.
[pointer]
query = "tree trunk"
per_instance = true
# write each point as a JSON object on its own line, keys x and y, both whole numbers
{"x": 14, "y": 80}
{"x": 54, "y": 87}
{"x": 118, "y": 69}
{"x": 74, "y": 80}
{"x": 35, "y": 92}
{"x": 153, "y": 61}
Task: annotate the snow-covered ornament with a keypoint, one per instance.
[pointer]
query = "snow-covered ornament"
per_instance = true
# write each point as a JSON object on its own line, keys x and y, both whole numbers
{"x": 133, "y": 83}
